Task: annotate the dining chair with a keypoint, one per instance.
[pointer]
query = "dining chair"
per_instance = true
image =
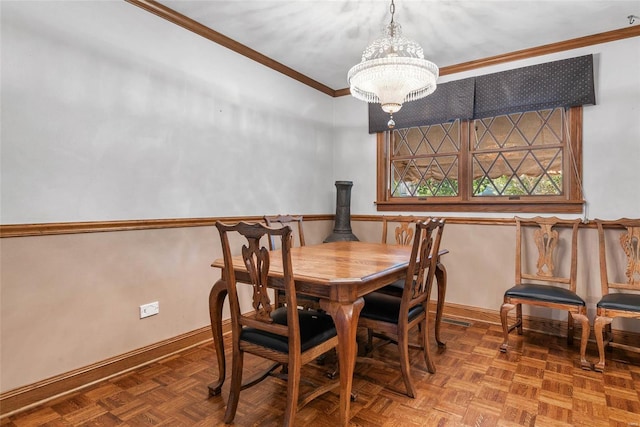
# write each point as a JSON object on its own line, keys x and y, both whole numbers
{"x": 403, "y": 235}
{"x": 619, "y": 278}
{"x": 394, "y": 317}
{"x": 282, "y": 221}
{"x": 286, "y": 335}
{"x": 546, "y": 270}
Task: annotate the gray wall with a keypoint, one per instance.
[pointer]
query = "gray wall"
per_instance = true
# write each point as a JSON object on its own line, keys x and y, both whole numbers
{"x": 109, "y": 112}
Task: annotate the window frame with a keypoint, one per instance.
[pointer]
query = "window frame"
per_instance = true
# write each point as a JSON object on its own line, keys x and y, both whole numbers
{"x": 570, "y": 202}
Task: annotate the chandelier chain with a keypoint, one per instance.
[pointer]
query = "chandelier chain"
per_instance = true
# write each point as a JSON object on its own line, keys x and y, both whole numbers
{"x": 392, "y": 9}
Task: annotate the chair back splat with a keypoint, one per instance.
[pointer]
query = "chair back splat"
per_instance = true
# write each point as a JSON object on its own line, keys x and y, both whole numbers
{"x": 282, "y": 221}
{"x": 390, "y": 317}
{"x": 546, "y": 270}
{"x": 619, "y": 250}
{"x": 288, "y": 336}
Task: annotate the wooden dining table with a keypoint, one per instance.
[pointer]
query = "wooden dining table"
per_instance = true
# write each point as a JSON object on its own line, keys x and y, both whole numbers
{"x": 339, "y": 274}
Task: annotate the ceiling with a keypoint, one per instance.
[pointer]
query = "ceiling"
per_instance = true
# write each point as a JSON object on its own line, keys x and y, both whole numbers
{"x": 322, "y": 39}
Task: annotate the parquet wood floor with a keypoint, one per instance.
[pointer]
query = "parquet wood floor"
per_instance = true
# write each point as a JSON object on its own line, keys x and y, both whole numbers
{"x": 537, "y": 383}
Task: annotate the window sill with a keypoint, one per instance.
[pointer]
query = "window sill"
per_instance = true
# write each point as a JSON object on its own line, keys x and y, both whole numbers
{"x": 512, "y": 206}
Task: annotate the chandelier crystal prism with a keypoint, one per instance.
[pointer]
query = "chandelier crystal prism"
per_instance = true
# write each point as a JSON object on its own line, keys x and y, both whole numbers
{"x": 392, "y": 71}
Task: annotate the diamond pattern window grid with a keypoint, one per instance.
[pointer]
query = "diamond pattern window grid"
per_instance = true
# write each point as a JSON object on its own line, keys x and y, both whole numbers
{"x": 511, "y": 155}
{"x": 425, "y": 162}
{"x": 508, "y": 160}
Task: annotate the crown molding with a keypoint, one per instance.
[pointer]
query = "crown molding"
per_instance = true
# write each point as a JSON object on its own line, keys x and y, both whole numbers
{"x": 216, "y": 37}
{"x": 546, "y": 49}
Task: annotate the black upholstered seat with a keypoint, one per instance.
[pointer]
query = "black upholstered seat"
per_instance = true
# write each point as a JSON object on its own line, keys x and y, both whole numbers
{"x": 394, "y": 289}
{"x": 620, "y": 301}
{"x": 545, "y": 293}
{"x": 386, "y": 308}
{"x": 315, "y": 328}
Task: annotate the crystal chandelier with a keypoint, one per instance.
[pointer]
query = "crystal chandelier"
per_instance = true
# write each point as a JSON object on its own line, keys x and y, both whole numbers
{"x": 392, "y": 71}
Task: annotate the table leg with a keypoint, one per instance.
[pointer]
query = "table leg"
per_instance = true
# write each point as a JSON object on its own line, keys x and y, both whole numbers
{"x": 345, "y": 317}
{"x": 441, "y": 279}
{"x": 216, "y": 300}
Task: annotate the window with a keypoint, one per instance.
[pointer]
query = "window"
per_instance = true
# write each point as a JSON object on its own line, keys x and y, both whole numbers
{"x": 519, "y": 162}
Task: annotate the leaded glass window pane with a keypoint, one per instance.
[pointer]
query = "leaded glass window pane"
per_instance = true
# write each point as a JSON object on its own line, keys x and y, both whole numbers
{"x": 518, "y": 154}
{"x": 424, "y": 161}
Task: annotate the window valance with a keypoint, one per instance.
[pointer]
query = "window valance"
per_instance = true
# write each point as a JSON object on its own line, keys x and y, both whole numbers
{"x": 450, "y": 101}
{"x": 563, "y": 83}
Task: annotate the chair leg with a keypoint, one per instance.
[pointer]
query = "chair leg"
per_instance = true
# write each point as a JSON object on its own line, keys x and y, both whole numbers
{"x": 570, "y": 329}
{"x": 403, "y": 347}
{"x": 599, "y": 330}
{"x": 504, "y": 312}
{"x": 369, "y": 346}
{"x": 584, "y": 337}
{"x": 426, "y": 348}
{"x": 236, "y": 386}
{"x": 441, "y": 280}
{"x": 518, "y": 324}
{"x": 293, "y": 390}
{"x": 609, "y": 335}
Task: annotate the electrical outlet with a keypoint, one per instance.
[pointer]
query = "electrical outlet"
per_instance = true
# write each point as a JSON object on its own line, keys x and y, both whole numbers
{"x": 150, "y": 309}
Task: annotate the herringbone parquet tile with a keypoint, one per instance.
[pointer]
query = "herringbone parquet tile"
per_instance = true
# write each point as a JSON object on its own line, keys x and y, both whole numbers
{"x": 537, "y": 383}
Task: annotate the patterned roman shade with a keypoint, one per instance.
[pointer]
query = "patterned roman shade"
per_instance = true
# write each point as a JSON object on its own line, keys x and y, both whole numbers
{"x": 564, "y": 83}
